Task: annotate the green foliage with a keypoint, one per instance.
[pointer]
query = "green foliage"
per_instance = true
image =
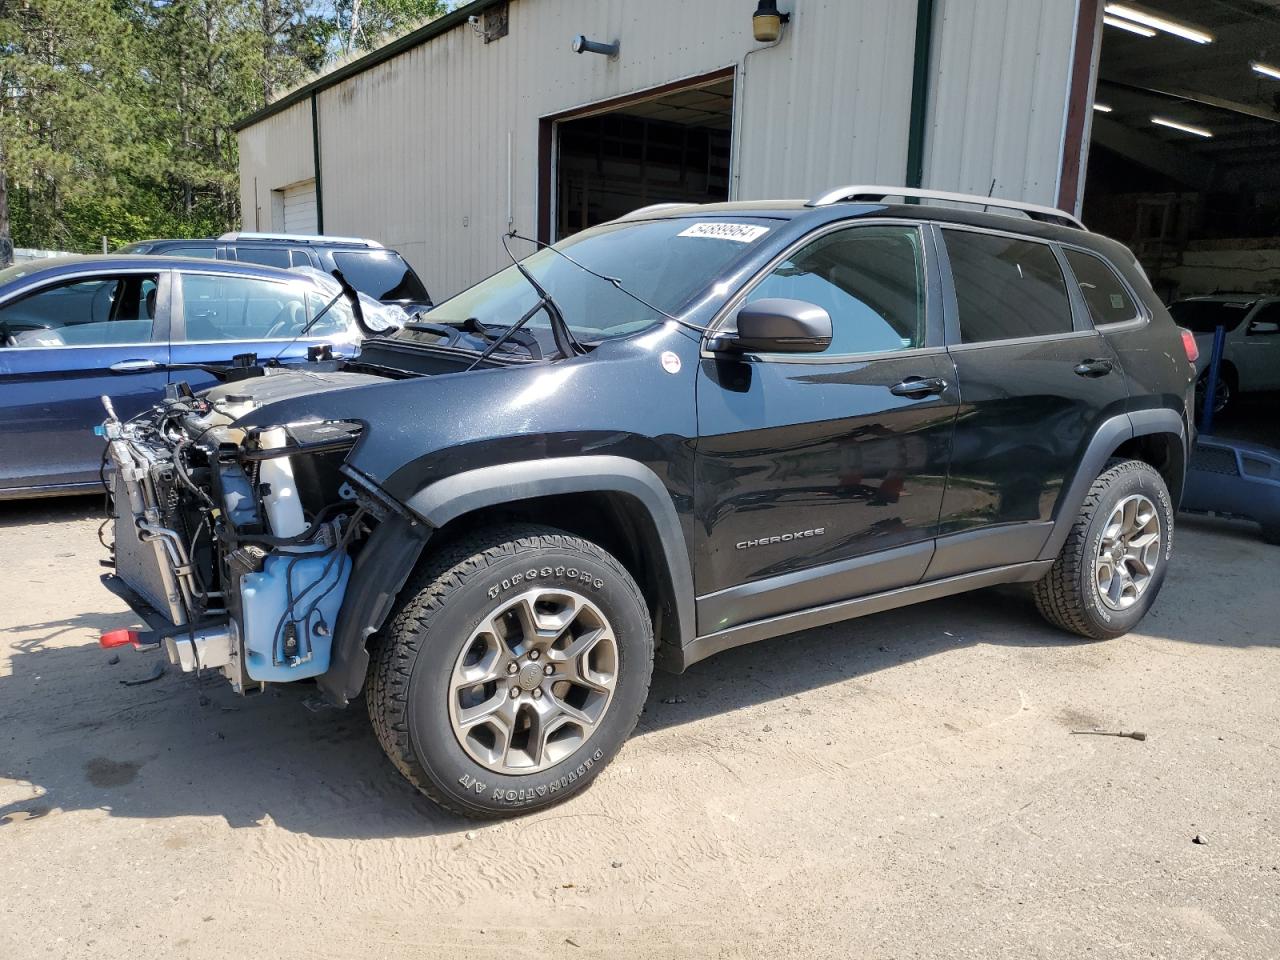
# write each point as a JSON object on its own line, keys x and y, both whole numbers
{"x": 116, "y": 115}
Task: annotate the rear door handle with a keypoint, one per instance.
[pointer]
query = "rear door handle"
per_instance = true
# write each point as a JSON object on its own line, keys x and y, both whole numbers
{"x": 133, "y": 366}
{"x": 1094, "y": 368}
{"x": 918, "y": 387}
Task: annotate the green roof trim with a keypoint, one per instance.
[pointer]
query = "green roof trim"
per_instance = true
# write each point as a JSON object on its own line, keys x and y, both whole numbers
{"x": 426, "y": 32}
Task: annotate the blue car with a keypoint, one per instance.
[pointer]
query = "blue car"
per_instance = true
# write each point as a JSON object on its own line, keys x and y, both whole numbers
{"x": 75, "y": 328}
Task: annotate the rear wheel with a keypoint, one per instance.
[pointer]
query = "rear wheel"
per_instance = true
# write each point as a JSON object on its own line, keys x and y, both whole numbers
{"x": 1115, "y": 557}
{"x": 516, "y": 666}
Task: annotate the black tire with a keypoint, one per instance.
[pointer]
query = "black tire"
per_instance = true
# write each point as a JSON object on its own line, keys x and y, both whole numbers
{"x": 1068, "y": 596}
{"x": 1226, "y": 392}
{"x": 458, "y": 586}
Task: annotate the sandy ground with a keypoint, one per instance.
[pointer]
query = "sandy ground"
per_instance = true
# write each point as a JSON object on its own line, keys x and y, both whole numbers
{"x": 901, "y": 786}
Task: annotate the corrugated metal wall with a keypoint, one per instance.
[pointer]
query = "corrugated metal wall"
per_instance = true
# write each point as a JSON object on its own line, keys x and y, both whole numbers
{"x": 414, "y": 151}
{"x": 998, "y": 96}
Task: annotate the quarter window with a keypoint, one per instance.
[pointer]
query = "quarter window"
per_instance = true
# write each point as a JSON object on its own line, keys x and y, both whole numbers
{"x": 241, "y": 308}
{"x": 96, "y": 312}
{"x": 1108, "y": 299}
{"x": 1006, "y": 288}
{"x": 869, "y": 279}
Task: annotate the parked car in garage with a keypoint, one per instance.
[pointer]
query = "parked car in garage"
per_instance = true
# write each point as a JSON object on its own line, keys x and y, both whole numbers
{"x": 1251, "y": 350}
{"x": 75, "y": 328}
{"x": 368, "y": 266}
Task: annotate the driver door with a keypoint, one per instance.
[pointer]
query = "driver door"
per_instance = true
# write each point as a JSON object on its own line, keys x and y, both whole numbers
{"x": 68, "y": 343}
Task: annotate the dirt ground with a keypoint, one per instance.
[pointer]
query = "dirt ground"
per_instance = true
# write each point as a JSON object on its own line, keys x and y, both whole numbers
{"x": 905, "y": 785}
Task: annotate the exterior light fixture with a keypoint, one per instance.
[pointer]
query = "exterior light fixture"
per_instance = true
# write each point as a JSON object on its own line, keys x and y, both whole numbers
{"x": 767, "y": 21}
{"x": 1159, "y": 23}
{"x": 1102, "y": 108}
{"x": 1271, "y": 73}
{"x": 1137, "y": 28}
{"x": 582, "y": 45}
{"x": 1184, "y": 127}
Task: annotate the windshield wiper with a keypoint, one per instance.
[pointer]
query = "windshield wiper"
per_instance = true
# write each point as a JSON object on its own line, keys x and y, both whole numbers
{"x": 566, "y": 343}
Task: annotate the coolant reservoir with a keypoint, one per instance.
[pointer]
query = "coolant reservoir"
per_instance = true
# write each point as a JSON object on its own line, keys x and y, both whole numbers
{"x": 284, "y": 509}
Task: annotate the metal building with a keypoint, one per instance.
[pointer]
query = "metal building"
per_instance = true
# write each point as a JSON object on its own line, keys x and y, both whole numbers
{"x": 488, "y": 119}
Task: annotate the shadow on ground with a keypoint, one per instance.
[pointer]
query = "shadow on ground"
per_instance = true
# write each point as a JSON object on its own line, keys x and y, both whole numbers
{"x": 181, "y": 746}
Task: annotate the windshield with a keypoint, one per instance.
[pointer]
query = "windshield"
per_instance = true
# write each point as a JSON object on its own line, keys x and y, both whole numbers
{"x": 666, "y": 262}
{"x": 1203, "y": 316}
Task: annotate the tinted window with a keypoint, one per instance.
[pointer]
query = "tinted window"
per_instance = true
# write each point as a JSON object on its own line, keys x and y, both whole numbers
{"x": 1107, "y": 297}
{"x": 336, "y": 321}
{"x": 1006, "y": 288}
{"x": 299, "y": 258}
{"x": 382, "y": 274}
{"x": 104, "y": 310}
{"x": 241, "y": 308}
{"x": 204, "y": 251}
{"x": 870, "y": 279}
{"x": 1268, "y": 314}
{"x": 1204, "y": 316}
{"x": 267, "y": 256}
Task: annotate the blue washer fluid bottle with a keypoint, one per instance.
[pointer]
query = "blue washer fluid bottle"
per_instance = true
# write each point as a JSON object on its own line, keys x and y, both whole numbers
{"x": 318, "y": 576}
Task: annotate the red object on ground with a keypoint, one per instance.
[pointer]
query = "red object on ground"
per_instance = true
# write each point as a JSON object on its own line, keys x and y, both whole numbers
{"x": 118, "y": 638}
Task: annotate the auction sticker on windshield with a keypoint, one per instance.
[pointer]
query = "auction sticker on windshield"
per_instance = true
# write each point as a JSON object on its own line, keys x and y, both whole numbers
{"x": 738, "y": 232}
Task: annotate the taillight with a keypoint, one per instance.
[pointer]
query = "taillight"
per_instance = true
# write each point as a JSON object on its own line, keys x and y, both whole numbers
{"x": 1189, "y": 345}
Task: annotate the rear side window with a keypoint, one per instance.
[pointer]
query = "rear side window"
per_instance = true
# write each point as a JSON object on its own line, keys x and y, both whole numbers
{"x": 1006, "y": 288}
{"x": 203, "y": 251}
{"x": 382, "y": 274}
{"x": 1108, "y": 299}
{"x": 241, "y": 308}
{"x": 267, "y": 256}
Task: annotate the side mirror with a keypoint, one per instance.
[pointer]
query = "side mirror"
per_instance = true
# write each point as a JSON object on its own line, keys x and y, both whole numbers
{"x": 777, "y": 326}
{"x": 1263, "y": 326}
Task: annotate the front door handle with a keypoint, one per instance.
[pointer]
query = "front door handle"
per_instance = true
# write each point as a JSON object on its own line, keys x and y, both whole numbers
{"x": 1094, "y": 368}
{"x": 133, "y": 366}
{"x": 916, "y": 387}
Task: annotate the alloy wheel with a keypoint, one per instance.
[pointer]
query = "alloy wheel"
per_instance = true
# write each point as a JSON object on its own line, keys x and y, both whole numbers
{"x": 533, "y": 681}
{"x": 1128, "y": 552}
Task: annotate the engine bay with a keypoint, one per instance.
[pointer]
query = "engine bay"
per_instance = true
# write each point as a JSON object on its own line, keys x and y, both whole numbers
{"x": 236, "y": 543}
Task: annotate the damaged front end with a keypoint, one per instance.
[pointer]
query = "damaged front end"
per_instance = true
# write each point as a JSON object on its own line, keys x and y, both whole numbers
{"x": 236, "y": 544}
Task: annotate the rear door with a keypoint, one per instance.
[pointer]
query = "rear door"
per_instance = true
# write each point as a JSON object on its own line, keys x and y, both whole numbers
{"x": 820, "y": 476}
{"x": 1036, "y": 379}
{"x": 220, "y": 315}
{"x": 70, "y": 342}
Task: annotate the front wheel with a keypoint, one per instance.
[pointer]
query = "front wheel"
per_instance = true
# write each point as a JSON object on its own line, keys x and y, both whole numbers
{"x": 517, "y": 664}
{"x": 1115, "y": 557}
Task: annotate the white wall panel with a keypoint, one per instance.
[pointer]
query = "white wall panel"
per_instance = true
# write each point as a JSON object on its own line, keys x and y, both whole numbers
{"x": 274, "y": 153}
{"x": 414, "y": 150}
{"x": 997, "y": 101}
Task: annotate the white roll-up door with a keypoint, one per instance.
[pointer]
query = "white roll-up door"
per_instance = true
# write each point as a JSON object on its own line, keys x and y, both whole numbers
{"x": 300, "y": 208}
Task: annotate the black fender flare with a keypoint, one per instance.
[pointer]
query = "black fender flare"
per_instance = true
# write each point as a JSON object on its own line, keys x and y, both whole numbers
{"x": 1111, "y": 433}
{"x": 452, "y": 497}
{"x": 396, "y": 544}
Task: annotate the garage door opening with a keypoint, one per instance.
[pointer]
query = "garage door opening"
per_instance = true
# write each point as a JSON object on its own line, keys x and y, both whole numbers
{"x": 667, "y": 148}
{"x": 293, "y": 209}
{"x": 1182, "y": 169}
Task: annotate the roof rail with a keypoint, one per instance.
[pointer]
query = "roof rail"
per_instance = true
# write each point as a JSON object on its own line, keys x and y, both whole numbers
{"x": 297, "y": 238}
{"x": 875, "y": 194}
{"x": 652, "y": 208}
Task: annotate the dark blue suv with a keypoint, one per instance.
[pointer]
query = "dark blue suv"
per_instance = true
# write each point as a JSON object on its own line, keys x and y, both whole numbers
{"x": 75, "y": 328}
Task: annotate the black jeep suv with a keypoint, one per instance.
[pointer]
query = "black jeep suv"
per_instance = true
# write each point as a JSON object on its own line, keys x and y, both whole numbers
{"x": 688, "y": 429}
{"x": 369, "y": 267}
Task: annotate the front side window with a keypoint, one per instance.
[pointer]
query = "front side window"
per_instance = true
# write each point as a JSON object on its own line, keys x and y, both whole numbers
{"x": 869, "y": 279}
{"x": 241, "y": 308}
{"x": 1108, "y": 299}
{"x": 1266, "y": 322}
{"x": 1006, "y": 288}
{"x": 80, "y": 313}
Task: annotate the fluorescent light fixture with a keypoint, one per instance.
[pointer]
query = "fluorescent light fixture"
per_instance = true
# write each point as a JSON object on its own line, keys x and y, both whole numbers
{"x": 1184, "y": 127}
{"x": 1137, "y": 28}
{"x": 1160, "y": 23}
{"x": 1102, "y": 108}
{"x": 1266, "y": 71}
